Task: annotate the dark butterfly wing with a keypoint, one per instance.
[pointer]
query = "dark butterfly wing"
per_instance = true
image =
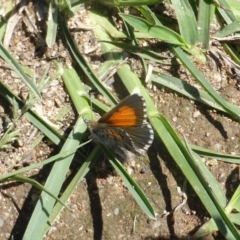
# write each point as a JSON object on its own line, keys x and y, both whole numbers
{"x": 141, "y": 136}
{"x": 134, "y": 139}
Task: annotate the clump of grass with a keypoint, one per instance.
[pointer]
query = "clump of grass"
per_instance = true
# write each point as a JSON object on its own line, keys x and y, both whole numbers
{"x": 194, "y": 24}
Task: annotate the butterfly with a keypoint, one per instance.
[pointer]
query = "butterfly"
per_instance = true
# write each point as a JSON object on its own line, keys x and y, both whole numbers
{"x": 124, "y": 127}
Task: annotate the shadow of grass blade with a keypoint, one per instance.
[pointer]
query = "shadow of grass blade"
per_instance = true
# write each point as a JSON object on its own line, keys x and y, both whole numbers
{"x": 57, "y": 157}
{"x": 185, "y": 162}
{"x": 132, "y": 186}
{"x": 3, "y": 25}
{"x": 37, "y": 185}
{"x": 38, "y": 221}
{"x": 94, "y": 155}
{"x": 14, "y": 65}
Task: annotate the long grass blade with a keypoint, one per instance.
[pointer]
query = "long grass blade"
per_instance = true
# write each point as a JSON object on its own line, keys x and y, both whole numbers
{"x": 38, "y": 221}
{"x": 83, "y": 64}
{"x": 205, "y": 10}
{"x": 205, "y": 84}
{"x": 159, "y": 32}
{"x": 52, "y": 23}
{"x": 19, "y": 71}
{"x": 45, "y": 128}
{"x": 186, "y": 21}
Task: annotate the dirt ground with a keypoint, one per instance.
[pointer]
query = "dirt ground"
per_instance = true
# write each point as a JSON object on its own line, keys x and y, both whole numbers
{"x": 102, "y": 206}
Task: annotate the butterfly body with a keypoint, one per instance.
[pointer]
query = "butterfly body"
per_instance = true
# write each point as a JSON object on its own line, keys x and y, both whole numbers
{"x": 124, "y": 127}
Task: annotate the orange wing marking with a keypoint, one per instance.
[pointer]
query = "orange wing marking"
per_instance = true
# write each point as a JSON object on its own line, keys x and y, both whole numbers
{"x": 114, "y": 134}
{"x": 125, "y": 116}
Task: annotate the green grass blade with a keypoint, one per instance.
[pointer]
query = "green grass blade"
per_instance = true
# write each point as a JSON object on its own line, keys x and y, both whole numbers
{"x": 144, "y": 53}
{"x": 186, "y": 163}
{"x": 76, "y": 91}
{"x": 228, "y": 30}
{"x": 58, "y": 173}
{"x": 52, "y": 23}
{"x": 214, "y": 154}
{"x": 206, "y": 229}
{"x": 9, "y": 136}
{"x": 83, "y": 64}
{"x": 235, "y": 218}
{"x": 159, "y": 32}
{"x": 37, "y": 185}
{"x": 186, "y": 21}
{"x": 225, "y": 12}
{"x": 204, "y": 16}
{"x": 45, "y": 128}
{"x": 122, "y": 3}
{"x": 19, "y": 71}
{"x": 94, "y": 155}
{"x": 149, "y": 15}
{"x": 232, "y": 52}
{"x": 38, "y": 222}
{"x": 58, "y": 157}
{"x": 210, "y": 179}
{"x": 189, "y": 91}
{"x": 234, "y": 203}
{"x": 205, "y": 84}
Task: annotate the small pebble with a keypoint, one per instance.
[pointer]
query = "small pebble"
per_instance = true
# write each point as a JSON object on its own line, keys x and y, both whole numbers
{"x": 196, "y": 114}
{"x": 212, "y": 162}
{"x": 54, "y": 83}
{"x": 116, "y": 211}
{"x": 217, "y": 147}
{"x": 143, "y": 170}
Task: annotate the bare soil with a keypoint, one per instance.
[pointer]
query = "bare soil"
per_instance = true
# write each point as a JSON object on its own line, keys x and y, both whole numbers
{"x": 102, "y": 206}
